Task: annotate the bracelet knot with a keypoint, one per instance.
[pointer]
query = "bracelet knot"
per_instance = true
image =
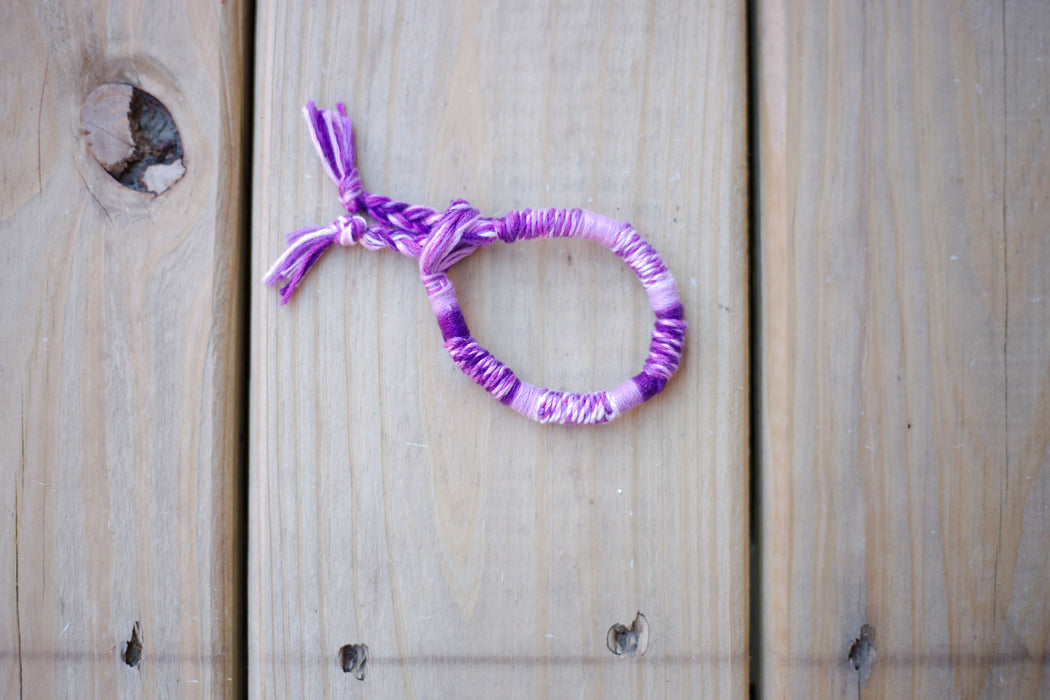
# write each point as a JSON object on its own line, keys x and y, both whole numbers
{"x": 450, "y": 238}
{"x": 349, "y": 229}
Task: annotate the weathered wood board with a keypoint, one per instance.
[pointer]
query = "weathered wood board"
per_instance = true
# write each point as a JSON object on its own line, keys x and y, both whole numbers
{"x": 905, "y": 319}
{"x": 392, "y": 502}
{"x": 120, "y": 359}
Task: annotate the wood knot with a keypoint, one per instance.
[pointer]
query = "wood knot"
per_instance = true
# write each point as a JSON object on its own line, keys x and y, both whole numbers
{"x": 133, "y": 136}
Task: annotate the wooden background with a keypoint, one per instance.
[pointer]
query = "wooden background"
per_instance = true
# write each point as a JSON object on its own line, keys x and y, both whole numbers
{"x": 904, "y": 344}
{"x": 121, "y": 359}
{"x": 858, "y": 434}
{"x": 393, "y": 503}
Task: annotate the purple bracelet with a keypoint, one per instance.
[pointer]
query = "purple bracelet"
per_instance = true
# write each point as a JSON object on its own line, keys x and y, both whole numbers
{"x": 441, "y": 239}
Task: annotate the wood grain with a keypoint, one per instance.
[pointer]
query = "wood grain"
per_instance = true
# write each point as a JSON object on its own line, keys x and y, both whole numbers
{"x": 392, "y": 502}
{"x": 904, "y": 419}
{"x": 119, "y": 358}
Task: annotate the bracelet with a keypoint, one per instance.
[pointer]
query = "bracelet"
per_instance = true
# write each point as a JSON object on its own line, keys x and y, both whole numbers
{"x": 441, "y": 239}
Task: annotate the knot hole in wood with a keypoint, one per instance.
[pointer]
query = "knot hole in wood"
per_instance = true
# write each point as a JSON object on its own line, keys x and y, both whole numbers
{"x": 133, "y": 137}
{"x": 353, "y": 658}
{"x": 132, "y": 653}
{"x": 629, "y": 641}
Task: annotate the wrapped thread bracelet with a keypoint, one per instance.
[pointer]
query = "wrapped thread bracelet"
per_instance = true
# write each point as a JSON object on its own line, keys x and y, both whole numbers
{"x": 441, "y": 239}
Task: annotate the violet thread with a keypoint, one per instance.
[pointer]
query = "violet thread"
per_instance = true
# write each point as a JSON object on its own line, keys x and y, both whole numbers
{"x": 440, "y": 239}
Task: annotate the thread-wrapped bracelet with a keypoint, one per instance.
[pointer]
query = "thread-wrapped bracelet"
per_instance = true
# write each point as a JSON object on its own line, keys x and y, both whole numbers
{"x": 441, "y": 239}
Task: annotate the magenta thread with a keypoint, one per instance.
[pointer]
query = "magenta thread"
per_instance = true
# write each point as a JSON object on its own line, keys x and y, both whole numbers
{"x": 441, "y": 239}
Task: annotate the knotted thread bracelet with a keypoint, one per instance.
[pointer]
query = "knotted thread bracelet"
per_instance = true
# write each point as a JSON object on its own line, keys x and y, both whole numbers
{"x": 441, "y": 239}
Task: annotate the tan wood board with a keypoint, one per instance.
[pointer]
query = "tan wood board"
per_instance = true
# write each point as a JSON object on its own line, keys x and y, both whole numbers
{"x": 905, "y": 320}
{"x": 119, "y": 359}
{"x": 392, "y": 502}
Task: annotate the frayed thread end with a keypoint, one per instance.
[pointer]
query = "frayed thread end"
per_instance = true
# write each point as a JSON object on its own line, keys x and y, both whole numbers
{"x": 305, "y": 246}
{"x": 333, "y": 136}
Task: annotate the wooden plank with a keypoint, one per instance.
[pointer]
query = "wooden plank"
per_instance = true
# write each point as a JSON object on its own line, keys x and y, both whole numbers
{"x": 904, "y": 417}
{"x": 392, "y": 502}
{"x": 119, "y": 356}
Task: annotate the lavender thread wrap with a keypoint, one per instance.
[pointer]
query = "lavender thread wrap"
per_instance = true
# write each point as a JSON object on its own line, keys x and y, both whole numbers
{"x": 441, "y": 239}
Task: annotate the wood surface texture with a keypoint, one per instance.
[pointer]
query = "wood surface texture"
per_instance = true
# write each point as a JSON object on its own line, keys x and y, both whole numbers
{"x": 901, "y": 241}
{"x": 392, "y": 502}
{"x": 119, "y": 359}
{"x": 905, "y": 322}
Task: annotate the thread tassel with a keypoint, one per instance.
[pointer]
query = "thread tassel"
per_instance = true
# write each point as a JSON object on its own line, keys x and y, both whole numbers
{"x": 332, "y": 134}
{"x": 305, "y": 246}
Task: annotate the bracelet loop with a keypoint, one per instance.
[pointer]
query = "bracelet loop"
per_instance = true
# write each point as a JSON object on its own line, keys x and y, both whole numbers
{"x": 441, "y": 239}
